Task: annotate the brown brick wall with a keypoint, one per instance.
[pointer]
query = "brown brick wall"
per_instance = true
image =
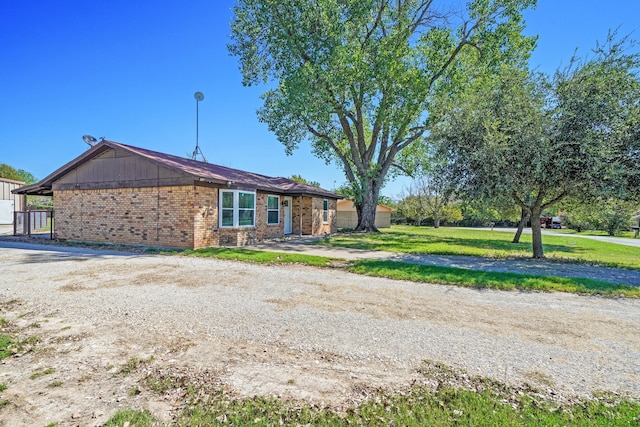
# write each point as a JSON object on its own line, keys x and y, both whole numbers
{"x": 312, "y": 221}
{"x": 264, "y": 230}
{"x": 150, "y": 216}
{"x": 317, "y": 217}
{"x": 305, "y": 212}
{"x": 172, "y": 216}
{"x": 205, "y": 219}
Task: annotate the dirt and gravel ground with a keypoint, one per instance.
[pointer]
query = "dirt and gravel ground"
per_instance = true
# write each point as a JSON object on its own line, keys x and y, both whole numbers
{"x": 321, "y": 335}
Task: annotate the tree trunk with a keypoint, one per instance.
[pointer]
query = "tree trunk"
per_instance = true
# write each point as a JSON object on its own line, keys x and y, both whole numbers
{"x": 367, "y": 208}
{"x": 523, "y": 222}
{"x": 436, "y": 222}
{"x": 536, "y": 232}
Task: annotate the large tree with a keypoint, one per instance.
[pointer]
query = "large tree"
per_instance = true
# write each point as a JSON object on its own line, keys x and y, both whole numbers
{"x": 539, "y": 141}
{"x": 355, "y": 77}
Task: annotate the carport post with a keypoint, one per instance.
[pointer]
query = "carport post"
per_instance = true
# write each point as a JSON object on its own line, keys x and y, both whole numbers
{"x": 25, "y": 215}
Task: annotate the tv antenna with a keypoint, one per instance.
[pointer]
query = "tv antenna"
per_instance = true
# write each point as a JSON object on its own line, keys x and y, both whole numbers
{"x": 199, "y": 96}
{"x": 91, "y": 140}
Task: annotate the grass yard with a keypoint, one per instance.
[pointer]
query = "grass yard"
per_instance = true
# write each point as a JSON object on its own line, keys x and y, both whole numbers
{"x": 429, "y": 274}
{"x": 490, "y": 280}
{"x": 490, "y": 244}
{"x": 461, "y": 400}
{"x": 447, "y": 407}
{"x": 261, "y": 257}
{"x": 568, "y": 231}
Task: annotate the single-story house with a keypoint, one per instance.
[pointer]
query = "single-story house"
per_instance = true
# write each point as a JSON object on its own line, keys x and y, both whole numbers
{"x": 348, "y": 217}
{"x": 9, "y": 202}
{"x": 118, "y": 193}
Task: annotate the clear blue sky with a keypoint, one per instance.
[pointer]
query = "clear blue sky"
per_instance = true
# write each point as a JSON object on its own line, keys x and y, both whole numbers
{"x": 127, "y": 70}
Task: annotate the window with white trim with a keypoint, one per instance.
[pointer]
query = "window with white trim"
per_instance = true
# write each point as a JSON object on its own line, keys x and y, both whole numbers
{"x": 325, "y": 210}
{"x": 273, "y": 210}
{"x": 237, "y": 208}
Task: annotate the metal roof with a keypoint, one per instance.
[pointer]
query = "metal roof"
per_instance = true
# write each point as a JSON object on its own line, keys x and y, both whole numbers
{"x": 200, "y": 171}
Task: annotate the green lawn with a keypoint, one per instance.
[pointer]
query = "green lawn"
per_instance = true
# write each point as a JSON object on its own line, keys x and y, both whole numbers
{"x": 490, "y": 244}
{"x": 625, "y": 235}
{"x": 261, "y": 257}
{"x": 490, "y": 280}
{"x": 429, "y": 274}
{"x": 463, "y": 400}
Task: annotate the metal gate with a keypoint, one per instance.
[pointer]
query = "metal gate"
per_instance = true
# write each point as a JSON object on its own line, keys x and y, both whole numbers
{"x": 34, "y": 222}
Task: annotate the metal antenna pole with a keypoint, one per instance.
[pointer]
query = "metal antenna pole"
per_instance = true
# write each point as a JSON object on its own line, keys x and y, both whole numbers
{"x": 199, "y": 96}
{"x": 197, "y": 124}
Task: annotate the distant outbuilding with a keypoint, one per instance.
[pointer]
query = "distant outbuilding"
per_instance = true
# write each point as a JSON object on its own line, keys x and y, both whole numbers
{"x": 9, "y": 203}
{"x": 348, "y": 217}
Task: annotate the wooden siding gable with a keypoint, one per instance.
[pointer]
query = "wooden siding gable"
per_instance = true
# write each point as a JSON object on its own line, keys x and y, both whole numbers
{"x": 118, "y": 168}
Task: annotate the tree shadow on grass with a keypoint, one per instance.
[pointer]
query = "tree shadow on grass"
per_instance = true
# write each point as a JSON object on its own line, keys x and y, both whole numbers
{"x": 418, "y": 243}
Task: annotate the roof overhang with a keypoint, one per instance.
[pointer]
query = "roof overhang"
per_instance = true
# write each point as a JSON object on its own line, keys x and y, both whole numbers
{"x": 204, "y": 173}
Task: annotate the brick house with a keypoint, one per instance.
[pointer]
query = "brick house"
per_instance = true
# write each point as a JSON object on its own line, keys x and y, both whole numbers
{"x": 118, "y": 193}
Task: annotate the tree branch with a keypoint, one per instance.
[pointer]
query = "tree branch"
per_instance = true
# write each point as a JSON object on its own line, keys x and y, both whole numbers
{"x": 331, "y": 143}
{"x": 556, "y": 199}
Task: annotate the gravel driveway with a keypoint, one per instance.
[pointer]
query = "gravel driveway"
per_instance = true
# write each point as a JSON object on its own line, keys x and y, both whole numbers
{"x": 296, "y": 332}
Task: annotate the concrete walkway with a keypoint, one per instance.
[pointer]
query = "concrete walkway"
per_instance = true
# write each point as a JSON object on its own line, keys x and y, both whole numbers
{"x": 545, "y": 232}
{"x": 522, "y": 266}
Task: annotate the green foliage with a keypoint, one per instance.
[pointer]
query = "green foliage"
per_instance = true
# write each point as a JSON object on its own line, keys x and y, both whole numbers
{"x": 387, "y": 201}
{"x": 538, "y": 140}
{"x": 301, "y": 180}
{"x": 356, "y": 77}
{"x": 41, "y": 373}
{"x": 6, "y": 344}
{"x": 10, "y": 172}
{"x": 347, "y": 191}
{"x": 480, "y": 212}
{"x": 133, "y": 364}
{"x": 597, "y": 118}
{"x": 26, "y": 177}
{"x": 611, "y": 215}
{"x": 427, "y": 200}
{"x": 134, "y": 418}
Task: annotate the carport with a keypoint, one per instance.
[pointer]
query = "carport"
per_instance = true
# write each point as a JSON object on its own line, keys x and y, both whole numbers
{"x": 30, "y": 222}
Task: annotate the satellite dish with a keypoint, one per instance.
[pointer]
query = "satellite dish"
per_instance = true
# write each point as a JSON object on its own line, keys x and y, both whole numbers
{"x": 199, "y": 96}
{"x": 89, "y": 140}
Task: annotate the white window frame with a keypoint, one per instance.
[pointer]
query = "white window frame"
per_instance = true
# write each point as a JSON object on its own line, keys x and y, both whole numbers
{"x": 325, "y": 211}
{"x": 277, "y": 209}
{"x": 236, "y": 208}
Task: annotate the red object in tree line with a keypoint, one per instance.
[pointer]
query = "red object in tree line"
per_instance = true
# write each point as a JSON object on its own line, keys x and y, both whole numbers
{"x": 550, "y": 222}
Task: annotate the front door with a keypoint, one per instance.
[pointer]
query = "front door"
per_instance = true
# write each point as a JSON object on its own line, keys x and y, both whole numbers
{"x": 288, "y": 201}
